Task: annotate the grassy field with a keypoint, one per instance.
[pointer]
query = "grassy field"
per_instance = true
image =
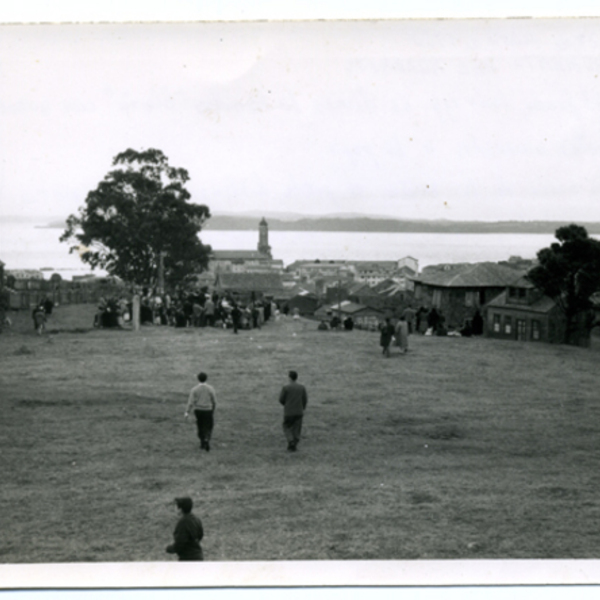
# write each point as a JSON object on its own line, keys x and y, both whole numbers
{"x": 463, "y": 448}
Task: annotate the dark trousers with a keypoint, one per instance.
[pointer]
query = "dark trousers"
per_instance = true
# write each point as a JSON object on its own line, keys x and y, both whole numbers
{"x": 292, "y": 426}
{"x": 205, "y": 423}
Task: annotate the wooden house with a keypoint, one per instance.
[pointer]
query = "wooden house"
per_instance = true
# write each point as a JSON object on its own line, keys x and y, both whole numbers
{"x": 522, "y": 312}
{"x": 459, "y": 290}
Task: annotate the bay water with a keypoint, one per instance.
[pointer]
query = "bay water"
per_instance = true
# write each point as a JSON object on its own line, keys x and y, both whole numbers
{"x": 27, "y": 246}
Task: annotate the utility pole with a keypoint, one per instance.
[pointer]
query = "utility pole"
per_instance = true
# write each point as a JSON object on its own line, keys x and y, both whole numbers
{"x": 339, "y": 292}
{"x": 161, "y": 272}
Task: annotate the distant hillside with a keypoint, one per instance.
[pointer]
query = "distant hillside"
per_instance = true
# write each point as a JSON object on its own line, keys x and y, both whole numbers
{"x": 367, "y": 224}
{"x": 378, "y": 224}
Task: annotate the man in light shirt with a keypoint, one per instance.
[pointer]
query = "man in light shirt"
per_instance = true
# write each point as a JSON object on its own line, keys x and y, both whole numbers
{"x": 202, "y": 401}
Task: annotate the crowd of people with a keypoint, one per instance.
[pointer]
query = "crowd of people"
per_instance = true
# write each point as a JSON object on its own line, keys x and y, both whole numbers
{"x": 196, "y": 308}
{"x": 427, "y": 322}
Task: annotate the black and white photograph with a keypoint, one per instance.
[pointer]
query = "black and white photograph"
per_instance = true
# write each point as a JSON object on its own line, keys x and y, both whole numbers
{"x": 304, "y": 302}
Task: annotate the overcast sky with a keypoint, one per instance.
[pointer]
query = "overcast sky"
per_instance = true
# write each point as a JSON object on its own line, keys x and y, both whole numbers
{"x": 471, "y": 119}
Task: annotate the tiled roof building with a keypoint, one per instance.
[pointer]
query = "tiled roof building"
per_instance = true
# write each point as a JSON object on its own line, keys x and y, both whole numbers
{"x": 459, "y": 290}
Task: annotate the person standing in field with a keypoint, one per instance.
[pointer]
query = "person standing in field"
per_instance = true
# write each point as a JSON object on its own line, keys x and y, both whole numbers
{"x": 236, "y": 314}
{"x": 39, "y": 319}
{"x": 401, "y": 334}
{"x": 385, "y": 337}
{"x": 209, "y": 311}
{"x": 188, "y": 532}
{"x": 293, "y": 398}
{"x": 203, "y": 401}
{"x": 410, "y": 315}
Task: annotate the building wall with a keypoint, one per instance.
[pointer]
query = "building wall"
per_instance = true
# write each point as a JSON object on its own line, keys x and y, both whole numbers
{"x": 367, "y": 321}
{"x": 305, "y": 305}
{"x": 410, "y": 262}
{"x": 509, "y": 324}
{"x": 457, "y": 304}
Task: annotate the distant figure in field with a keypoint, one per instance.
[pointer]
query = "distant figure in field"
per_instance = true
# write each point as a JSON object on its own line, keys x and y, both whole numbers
{"x": 433, "y": 320}
{"x": 296, "y": 313}
{"x": 323, "y": 326}
{"x": 209, "y": 312}
{"x": 440, "y": 328}
{"x": 294, "y": 399}
{"x": 348, "y": 323}
{"x": 236, "y": 315}
{"x": 385, "y": 336}
{"x": 202, "y": 401}
{"x": 255, "y": 316}
{"x": 402, "y": 335}
{"x": 420, "y": 323}
{"x": 48, "y": 305}
{"x": 39, "y": 319}
{"x": 410, "y": 316}
{"x": 197, "y": 313}
{"x": 4, "y": 307}
{"x": 477, "y": 323}
{"x": 188, "y": 532}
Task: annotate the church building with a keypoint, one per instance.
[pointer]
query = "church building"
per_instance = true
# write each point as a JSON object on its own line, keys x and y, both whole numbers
{"x": 247, "y": 261}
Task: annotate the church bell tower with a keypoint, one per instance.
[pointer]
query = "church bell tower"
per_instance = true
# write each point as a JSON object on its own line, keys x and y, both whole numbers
{"x": 263, "y": 238}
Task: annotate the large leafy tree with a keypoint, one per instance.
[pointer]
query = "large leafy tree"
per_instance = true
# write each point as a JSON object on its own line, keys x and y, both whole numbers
{"x": 569, "y": 272}
{"x": 139, "y": 212}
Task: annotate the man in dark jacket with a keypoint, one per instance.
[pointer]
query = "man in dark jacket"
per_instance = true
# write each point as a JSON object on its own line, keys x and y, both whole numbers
{"x": 188, "y": 533}
{"x": 294, "y": 399}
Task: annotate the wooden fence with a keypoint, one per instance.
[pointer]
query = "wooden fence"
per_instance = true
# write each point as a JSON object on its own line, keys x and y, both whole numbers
{"x": 25, "y": 294}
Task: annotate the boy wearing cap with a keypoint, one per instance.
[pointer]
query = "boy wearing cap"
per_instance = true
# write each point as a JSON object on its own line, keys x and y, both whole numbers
{"x": 188, "y": 532}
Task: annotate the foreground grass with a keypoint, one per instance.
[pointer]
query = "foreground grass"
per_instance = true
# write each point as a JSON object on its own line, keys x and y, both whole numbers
{"x": 464, "y": 448}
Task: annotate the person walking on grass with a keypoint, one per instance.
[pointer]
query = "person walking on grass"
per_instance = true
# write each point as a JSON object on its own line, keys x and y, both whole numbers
{"x": 293, "y": 398}
{"x": 385, "y": 337}
{"x": 202, "y": 401}
{"x": 39, "y": 319}
{"x": 402, "y": 331}
{"x": 188, "y": 532}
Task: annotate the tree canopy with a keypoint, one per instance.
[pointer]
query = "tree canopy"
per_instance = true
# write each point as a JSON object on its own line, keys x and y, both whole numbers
{"x": 569, "y": 272}
{"x": 138, "y": 212}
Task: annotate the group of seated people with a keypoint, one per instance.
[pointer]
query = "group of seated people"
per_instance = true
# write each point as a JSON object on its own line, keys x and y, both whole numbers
{"x": 335, "y": 322}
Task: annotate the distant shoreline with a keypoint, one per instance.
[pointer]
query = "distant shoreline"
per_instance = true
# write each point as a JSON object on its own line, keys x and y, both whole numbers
{"x": 378, "y": 225}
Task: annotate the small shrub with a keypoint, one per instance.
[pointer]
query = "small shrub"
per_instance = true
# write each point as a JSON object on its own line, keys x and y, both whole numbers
{"x": 422, "y": 498}
{"x": 22, "y": 351}
{"x": 445, "y": 432}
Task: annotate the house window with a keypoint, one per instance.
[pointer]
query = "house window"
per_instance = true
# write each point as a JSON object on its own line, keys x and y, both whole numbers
{"x": 469, "y": 298}
{"x": 507, "y": 325}
{"x": 497, "y": 323}
{"x": 437, "y": 298}
{"x": 521, "y": 329}
{"x": 535, "y": 330}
